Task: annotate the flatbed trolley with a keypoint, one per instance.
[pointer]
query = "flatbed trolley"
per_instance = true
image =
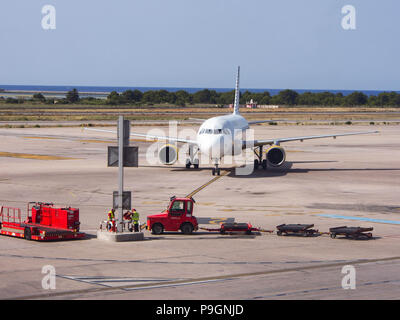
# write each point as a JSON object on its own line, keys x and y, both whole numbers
{"x": 296, "y": 229}
{"x": 236, "y": 228}
{"x": 351, "y": 232}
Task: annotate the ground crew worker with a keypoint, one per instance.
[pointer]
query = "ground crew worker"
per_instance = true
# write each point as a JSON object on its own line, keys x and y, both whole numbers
{"x": 111, "y": 220}
{"x": 135, "y": 220}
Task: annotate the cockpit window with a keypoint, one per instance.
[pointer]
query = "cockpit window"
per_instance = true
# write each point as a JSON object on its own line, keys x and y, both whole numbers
{"x": 214, "y": 131}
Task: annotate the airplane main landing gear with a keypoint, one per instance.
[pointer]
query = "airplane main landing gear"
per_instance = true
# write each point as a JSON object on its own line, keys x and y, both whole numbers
{"x": 195, "y": 163}
{"x": 259, "y": 161}
{"x": 192, "y": 160}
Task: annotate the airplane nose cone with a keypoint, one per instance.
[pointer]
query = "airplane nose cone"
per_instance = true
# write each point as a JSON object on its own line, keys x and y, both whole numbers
{"x": 213, "y": 146}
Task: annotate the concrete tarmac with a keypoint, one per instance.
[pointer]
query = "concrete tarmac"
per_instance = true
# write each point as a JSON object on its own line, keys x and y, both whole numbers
{"x": 355, "y": 176}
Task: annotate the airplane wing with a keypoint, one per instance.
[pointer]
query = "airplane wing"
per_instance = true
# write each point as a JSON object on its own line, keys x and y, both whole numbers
{"x": 148, "y": 136}
{"x": 262, "y": 121}
{"x": 277, "y": 141}
{"x": 197, "y": 120}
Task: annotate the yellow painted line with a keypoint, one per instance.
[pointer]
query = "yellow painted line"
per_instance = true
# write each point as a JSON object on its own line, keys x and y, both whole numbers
{"x": 33, "y": 156}
{"x": 151, "y": 202}
{"x": 217, "y": 220}
{"x": 223, "y": 173}
{"x": 97, "y": 141}
{"x": 115, "y": 141}
{"x": 205, "y": 203}
{"x": 46, "y": 138}
{"x": 143, "y": 140}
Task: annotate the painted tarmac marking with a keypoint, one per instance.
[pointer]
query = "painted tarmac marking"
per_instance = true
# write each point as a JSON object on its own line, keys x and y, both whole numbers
{"x": 286, "y": 294}
{"x": 335, "y": 216}
{"x": 115, "y": 281}
{"x": 204, "y": 279}
{"x": 204, "y": 220}
{"x": 174, "y": 285}
{"x": 224, "y": 173}
{"x": 96, "y": 141}
{"x": 46, "y": 138}
{"x": 166, "y": 262}
{"x": 151, "y": 202}
{"x": 33, "y": 156}
{"x": 136, "y": 283}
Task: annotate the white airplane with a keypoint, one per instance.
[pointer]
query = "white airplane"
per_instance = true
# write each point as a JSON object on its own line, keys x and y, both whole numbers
{"x": 224, "y": 135}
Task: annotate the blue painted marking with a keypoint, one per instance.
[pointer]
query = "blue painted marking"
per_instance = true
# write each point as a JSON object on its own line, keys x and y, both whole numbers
{"x": 358, "y": 218}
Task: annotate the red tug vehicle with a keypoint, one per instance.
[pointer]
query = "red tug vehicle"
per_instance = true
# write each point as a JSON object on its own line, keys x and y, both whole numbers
{"x": 43, "y": 222}
{"x": 178, "y": 216}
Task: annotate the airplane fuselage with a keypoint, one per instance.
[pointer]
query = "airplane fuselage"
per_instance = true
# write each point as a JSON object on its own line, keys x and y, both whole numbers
{"x": 216, "y": 136}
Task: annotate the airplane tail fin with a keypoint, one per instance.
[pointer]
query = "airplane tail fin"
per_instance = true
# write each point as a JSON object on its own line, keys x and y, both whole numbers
{"x": 237, "y": 94}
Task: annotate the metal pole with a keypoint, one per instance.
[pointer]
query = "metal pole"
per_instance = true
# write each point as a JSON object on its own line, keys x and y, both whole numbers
{"x": 120, "y": 171}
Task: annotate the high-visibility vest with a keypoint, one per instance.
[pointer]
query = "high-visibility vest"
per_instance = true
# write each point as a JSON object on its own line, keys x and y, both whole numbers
{"x": 111, "y": 215}
{"x": 135, "y": 216}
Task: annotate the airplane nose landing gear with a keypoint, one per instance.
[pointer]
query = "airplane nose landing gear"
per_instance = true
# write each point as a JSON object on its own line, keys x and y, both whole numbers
{"x": 216, "y": 170}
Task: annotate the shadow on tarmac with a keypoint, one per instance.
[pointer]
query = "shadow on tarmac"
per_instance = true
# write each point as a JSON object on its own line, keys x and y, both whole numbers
{"x": 285, "y": 169}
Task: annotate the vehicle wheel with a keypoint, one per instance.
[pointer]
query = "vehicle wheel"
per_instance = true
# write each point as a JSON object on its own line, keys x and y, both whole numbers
{"x": 264, "y": 164}
{"x": 333, "y": 235}
{"x": 0, "y": 225}
{"x": 187, "y": 228}
{"x": 256, "y": 164}
{"x": 27, "y": 234}
{"x": 279, "y": 233}
{"x": 157, "y": 228}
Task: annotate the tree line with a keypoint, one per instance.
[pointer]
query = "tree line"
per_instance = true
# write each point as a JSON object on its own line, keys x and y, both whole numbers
{"x": 206, "y": 96}
{"x": 284, "y": 97}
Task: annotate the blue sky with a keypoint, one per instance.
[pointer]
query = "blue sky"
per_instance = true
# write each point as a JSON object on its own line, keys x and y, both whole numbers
{"x": 191, "y": 43}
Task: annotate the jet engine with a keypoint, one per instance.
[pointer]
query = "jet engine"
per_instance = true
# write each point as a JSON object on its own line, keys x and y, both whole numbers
{"x": 276, "y": 156}
{"x": 168, "y": 154}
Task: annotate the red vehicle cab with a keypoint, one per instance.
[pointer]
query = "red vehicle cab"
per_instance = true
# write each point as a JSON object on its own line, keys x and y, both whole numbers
{"x": 178, "y": 216}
